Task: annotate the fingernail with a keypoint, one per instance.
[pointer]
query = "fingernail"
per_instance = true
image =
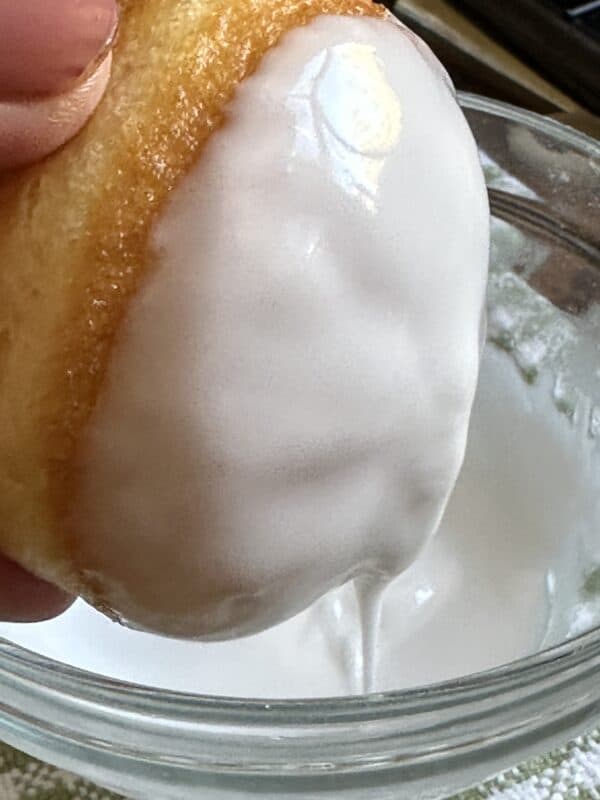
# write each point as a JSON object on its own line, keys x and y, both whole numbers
{"x": 47, "y": 46}
{"x": 32, "y": 129}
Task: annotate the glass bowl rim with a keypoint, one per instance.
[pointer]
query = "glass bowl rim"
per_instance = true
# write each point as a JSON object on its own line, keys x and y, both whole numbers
{"x": 16, "y": 661}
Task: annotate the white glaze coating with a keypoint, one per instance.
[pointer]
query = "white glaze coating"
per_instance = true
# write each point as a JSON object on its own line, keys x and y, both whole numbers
{"x": 288, "y": 401}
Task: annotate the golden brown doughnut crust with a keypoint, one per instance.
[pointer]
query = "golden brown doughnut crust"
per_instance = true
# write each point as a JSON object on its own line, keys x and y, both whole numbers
{"x": 73, "y": 234}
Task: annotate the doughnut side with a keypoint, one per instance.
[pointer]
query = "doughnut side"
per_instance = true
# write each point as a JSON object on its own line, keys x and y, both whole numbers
{"x": 73, "y": 241}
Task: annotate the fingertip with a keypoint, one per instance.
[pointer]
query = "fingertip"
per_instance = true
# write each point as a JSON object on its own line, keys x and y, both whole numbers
{"x": 31, "y": 130}
{"x": 48, "y": 45}
{"x": 25, "y": 598}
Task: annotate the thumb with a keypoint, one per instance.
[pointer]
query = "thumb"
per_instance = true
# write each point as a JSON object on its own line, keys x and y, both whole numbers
{"x": 54, "y": 68}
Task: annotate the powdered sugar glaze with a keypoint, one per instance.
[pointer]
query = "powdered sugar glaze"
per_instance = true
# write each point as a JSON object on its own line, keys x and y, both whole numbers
{"x": 287, "y": 403}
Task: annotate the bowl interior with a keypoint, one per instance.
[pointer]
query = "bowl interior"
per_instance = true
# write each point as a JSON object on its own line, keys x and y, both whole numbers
{"x": 519, "y": 544}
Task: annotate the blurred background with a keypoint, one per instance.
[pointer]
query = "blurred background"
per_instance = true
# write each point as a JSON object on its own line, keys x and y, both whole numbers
{"x": 543, "y": 55}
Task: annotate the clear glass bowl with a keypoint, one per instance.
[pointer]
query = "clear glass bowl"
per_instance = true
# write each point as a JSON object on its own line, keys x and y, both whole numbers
{"x": 417, "y": 744}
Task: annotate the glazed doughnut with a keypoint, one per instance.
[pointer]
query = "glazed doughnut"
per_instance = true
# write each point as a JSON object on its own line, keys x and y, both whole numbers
{"x": 205, "y": 455}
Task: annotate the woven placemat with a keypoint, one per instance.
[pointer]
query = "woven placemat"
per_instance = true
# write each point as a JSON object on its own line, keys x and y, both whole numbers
{"x": 572, "y": 773}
